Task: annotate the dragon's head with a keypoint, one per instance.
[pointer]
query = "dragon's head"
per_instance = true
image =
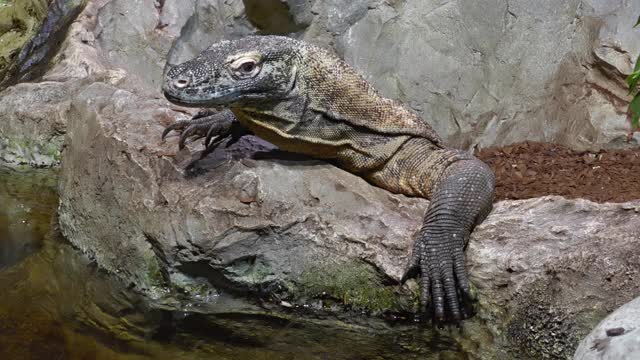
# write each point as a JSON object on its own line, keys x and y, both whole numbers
{"x": 236, "y": 72}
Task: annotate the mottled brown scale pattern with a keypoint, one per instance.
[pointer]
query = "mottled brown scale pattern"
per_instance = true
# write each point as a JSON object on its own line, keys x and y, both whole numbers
{"x": 415, "y": 169}
{"x": 337, "y": 90}
{"x": 305, "y": 100}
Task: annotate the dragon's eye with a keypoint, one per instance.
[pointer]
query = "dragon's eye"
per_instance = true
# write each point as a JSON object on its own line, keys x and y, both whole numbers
{"x": 246, "y": 66}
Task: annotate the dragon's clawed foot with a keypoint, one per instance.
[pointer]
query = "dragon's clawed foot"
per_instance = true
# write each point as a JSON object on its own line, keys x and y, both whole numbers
{"x": 445, "y": 290}
{"x": 462, "y": 199}
{"x": 212, "y": 125}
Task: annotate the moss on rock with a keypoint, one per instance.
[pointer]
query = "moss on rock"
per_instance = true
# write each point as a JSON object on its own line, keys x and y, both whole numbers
{"x": 356, "y": 285}
{"x": 33, "y": 152}
{"x": 19, "y": 22}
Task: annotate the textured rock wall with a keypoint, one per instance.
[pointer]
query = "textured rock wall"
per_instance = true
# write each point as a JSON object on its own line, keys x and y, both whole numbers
{"x": 483, "y": 73}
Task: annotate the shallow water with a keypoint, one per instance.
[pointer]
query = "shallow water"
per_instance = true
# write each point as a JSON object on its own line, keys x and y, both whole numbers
{"x": 55, "y": 304}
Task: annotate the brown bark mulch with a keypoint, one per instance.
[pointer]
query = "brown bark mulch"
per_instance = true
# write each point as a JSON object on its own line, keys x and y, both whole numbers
{"x": 532, "y": 169}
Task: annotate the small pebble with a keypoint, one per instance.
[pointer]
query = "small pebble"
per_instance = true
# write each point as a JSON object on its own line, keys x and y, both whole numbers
{"x": 615, "y": 331}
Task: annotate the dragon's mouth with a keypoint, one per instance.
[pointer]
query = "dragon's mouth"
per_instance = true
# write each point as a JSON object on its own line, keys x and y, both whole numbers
{"x": 174, "y": 99}
{"x": 218, "y": 98}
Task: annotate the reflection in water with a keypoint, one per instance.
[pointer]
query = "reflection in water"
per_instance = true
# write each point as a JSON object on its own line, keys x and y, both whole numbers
{"x": 56, "y": 305}
{"x": 26, "y": 206}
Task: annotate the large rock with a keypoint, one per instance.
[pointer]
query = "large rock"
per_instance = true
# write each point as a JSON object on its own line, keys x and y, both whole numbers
{"x": 31, "y": 134}
{"x": 548, "y": 269}
{"x": 494, "y": 72}
{"x": 617, "y": 337}
{"x": 247, "y": 220}
{"x": 234, "y": 223}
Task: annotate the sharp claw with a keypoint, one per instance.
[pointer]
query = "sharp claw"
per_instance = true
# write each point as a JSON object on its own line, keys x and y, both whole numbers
{"x": 186, "y": 134}
{"x": 213, "y": 130}
{"x": 169, "y": 128}
{"x": 451, "y": 292}
{"x": 183, "y": 139}
{"x": 438, "y": 300}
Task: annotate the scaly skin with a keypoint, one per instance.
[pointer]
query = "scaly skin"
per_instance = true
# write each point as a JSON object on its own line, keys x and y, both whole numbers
{"x": 305, "y": 100}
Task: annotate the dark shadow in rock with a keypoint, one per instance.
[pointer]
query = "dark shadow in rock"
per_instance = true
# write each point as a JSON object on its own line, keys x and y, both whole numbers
{"x": 221, "y": 277}
{"x": 214, "y": 275}
{"x": 271, "y": 17}
{"x": 246, "y": 148}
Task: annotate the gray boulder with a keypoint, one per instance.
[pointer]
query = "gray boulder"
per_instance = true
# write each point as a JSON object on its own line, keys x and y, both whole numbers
{"x": 617, "y": 337}
{"x": 548, "y": 269}
{"x": 496, "y": 72}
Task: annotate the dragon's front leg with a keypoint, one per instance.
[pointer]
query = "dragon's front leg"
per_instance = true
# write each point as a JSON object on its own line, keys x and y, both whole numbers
{"x": 214, "y": 126}
{"x": 461, "y": 199}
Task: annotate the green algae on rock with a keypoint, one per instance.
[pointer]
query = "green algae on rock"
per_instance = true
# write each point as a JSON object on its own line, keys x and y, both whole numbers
{"x": 28, "y": 151}
{"x": 356, "y": 285}
{"x": 30, "y": 34}
{"x": 19, "y": 22}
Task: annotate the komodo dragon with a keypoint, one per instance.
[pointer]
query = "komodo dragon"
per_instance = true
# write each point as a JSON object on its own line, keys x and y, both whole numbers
{"x": 303, "y": 99}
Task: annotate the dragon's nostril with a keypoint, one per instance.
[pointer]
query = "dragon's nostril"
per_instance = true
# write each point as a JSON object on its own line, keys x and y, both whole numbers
{"x": 181, "y": 83}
